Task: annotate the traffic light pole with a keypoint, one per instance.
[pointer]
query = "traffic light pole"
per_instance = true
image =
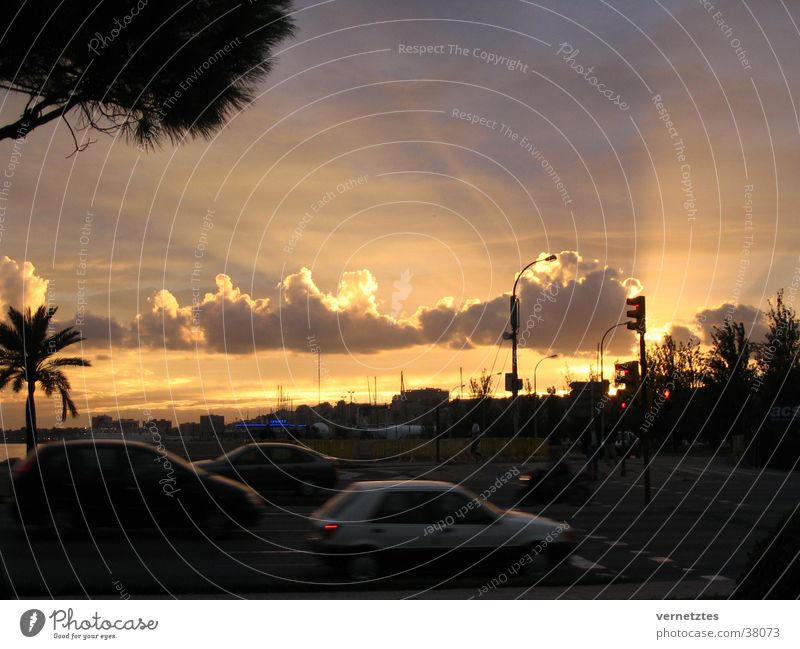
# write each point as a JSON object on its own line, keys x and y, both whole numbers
{"x": 639, "y": 325}
{"x": 644, "y": 406}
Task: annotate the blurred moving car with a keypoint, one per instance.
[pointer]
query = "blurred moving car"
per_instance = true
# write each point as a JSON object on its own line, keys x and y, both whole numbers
{"x": 274, "y": 466}
{"x": 64, "y": 486}
{"x": 626, "y": 444}
{"x": 376, "y": 527}
{"x": 553, "y": 483}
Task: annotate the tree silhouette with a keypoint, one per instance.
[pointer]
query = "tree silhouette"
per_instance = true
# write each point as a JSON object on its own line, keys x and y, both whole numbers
{"x": 778, "y": 358}
{"x": 481, "y": 387}
{"x": 152, "y": 71}
{"x": 676, "y": 364}
{"x": 27, "y": 357}
{"x": 729, "y": 359}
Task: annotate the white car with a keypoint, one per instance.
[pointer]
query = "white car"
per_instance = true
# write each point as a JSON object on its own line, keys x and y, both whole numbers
{"x": 391, "y": 527}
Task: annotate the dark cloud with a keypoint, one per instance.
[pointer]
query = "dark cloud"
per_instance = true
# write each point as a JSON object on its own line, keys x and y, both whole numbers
{"x": 565, "y": 307}
{"x": 755, "y": 323}
{"x": 100, "y": 331}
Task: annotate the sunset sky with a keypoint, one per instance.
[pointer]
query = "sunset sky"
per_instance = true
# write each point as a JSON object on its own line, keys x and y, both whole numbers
{"x": 402, "y": 162}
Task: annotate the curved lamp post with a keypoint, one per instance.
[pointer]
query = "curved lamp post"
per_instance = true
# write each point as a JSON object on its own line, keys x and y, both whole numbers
{"x": 514, "y": 303}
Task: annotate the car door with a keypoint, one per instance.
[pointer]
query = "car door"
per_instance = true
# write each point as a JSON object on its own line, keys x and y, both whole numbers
{"x": 96, "y": 473}
{"x": 402, "y": 526}
{"x": 468, "y": 531}
{"x": 282, "y": 467}
{"x": 247, "y": 465}
{"x": 145, "y": 496}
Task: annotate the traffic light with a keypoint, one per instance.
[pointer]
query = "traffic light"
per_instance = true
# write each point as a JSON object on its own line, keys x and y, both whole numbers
{"x": 626, "y": 373}
{"x": 637, "y": 313}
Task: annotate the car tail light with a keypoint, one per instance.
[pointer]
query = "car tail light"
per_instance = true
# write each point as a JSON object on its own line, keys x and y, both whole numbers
{"x": 329, "y": 529}
{"x": 25, "y": 466}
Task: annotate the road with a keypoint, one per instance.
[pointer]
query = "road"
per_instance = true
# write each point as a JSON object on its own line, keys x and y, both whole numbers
{"x": 692, "y": 540}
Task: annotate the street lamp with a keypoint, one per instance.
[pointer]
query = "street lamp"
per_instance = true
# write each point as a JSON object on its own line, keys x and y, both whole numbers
{"x": 514, "y": 302}
{"x": 536, "y": 412}
{"x": 436, "y": 424}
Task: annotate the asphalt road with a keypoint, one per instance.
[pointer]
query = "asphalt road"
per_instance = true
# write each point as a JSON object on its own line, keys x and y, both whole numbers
{"x": 692, "y": 540}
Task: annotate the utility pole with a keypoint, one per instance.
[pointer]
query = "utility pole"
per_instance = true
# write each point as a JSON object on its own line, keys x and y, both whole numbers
{"x": 639, "y": 324}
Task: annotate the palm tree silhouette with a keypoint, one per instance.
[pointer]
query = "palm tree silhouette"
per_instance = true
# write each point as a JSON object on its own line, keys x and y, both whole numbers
{"x": 27, "y": 351}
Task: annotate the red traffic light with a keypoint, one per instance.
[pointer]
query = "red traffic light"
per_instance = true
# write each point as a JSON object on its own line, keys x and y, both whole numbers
{"x": 637, "y": 313}
{"x": 667, "y": 393}
{"x": 623, "y": 405}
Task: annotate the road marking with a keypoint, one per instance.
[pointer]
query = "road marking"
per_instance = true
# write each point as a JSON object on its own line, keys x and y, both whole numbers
{"x": 615, "y": 543}
{"x": 638, "y": 551}
{"x": 585, "y": 564}
{"x": 350, "y": 475}
{"x": 661, "y": 559}
{"x": 595, "y": 536}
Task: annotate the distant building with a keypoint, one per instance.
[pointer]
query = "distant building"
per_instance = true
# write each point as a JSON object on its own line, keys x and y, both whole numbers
{"x": 189, "y": 430}
{"x": 162, "y": 426}
{"x": 212, "y": 426}
{"x": 421, "y": 402}
{"x": 127, "y": 426}
{"x": 102, "y": 423}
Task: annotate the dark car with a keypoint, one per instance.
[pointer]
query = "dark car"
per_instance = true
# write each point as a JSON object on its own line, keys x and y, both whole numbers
{"x": 65, "y": 486}
{"x": 553, "y": 483}
{"x": 269, "y": 467}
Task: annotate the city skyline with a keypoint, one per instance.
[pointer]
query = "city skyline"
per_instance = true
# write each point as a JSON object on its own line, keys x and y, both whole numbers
{"x": 377, "y": 198}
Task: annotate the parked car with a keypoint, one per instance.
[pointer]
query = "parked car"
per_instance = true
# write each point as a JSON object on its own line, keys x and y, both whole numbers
{"x": 63, "y": 486}
{"x": 273, "y": 466}
{"x": 376, "y": 527}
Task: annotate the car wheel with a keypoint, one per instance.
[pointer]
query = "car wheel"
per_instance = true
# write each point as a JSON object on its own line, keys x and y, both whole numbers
{"x": 364, "y": 567}
{"x": 307, "y": 487}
